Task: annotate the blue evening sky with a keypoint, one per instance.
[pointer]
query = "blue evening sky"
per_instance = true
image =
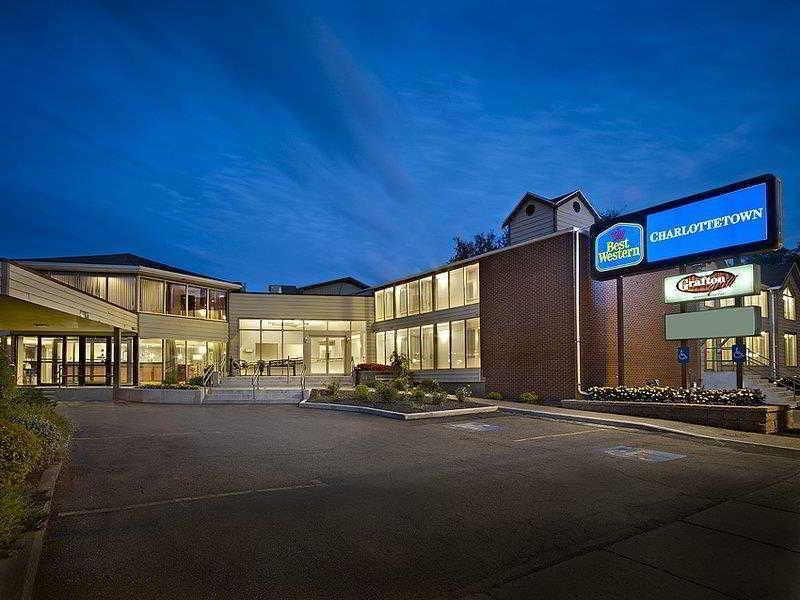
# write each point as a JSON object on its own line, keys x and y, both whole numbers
{"x": 293, "y": 142}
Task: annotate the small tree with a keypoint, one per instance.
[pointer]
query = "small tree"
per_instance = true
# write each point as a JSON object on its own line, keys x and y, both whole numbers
{"x": 479, "y": 244}
{"x": 8, "y": 376}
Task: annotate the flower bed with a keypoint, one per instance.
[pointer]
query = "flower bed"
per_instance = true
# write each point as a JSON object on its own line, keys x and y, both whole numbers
{"x": 403, "y": 404}
{"x": 668, "y": 395}
{"x": 32, "y": 437}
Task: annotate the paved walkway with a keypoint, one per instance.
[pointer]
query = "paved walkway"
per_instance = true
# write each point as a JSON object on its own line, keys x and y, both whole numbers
{"x": 784, "y": 442}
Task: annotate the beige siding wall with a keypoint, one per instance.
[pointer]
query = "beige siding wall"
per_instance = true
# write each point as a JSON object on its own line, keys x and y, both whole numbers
{"x": 22, "y": 284}
{"x": 523, "y": 227}
{"x": 299, "y": 306}
{"x": 181, "y": 328}
{"x": 567, "y": 218}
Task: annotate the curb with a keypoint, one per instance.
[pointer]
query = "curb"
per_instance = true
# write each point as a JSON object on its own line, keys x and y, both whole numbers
{"x": 639, "y": 425}
{"x": 20, "y": 575}
{"x": 391, "y": 414}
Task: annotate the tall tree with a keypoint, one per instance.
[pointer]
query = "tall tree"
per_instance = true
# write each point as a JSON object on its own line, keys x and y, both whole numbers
{"x": 479, "y": 244}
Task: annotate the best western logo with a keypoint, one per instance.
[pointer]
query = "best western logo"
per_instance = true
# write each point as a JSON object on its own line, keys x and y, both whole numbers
{"x": 619, "y": 246}
{"x": 703, "y": 284}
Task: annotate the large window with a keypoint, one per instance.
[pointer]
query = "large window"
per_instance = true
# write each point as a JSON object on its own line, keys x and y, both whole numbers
{"x": 272, "y": 339}
{"x": 122, "y": 290}
{"x": 758, "y": 348}
{"x": 457, "y": 347}
{"x": 216, "y": 305}
{"x": 427, "y": 347}
{"x": 473, "y": 343}
{"x": 151, "y": 296}
{"x": 443, "y": 345}
{"x": 379, "y": 314}
{"x": 151, "y": 360}
{"x": 442, "y": 296}
{"x": 426, "y": 294}
{"x": 788, "y": 304}
{"x": 472, "y": 284}
{"x": 414, "y": 349}
{"x": 176, "y": 299}
{"x": 390, "y": 347}
{"x": 456, "y": 287}
{"x": 380, "y": 348}
{"x": 790, "y": 349}
{"x": 401, "y": 342}
{"x": 759, "y": 300}
{"x": 449, "y": 289}
{"x": 413, "y": 297}
{"x": 197, "y": 302}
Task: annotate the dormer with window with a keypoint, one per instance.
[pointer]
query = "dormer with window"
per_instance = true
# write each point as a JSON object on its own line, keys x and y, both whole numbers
{"x": 535, "y": 216}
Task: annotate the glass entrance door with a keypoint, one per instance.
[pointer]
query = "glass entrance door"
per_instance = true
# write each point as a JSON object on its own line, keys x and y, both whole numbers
{"x": 327, "y": 355}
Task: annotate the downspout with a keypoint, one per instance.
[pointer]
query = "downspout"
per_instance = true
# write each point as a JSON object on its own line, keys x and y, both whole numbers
{"x": 773, "y": 334}
{"x": 577, "y": 273}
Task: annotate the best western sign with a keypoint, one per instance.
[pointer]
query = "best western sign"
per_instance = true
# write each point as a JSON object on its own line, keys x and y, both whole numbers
{"x": 736, "y": 219}
{"x": 743, "y": 280}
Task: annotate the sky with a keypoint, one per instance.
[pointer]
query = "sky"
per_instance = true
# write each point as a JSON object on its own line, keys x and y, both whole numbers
{"x": 272, "y": 142}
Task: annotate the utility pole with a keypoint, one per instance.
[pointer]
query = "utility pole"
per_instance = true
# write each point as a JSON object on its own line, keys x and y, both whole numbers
{"x": 620, "y": 335}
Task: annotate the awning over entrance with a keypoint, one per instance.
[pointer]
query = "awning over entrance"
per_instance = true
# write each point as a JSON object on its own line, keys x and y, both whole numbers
{"x": 32, "y": 302}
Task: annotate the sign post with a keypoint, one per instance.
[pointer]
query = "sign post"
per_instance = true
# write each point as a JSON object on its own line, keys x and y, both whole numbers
{"x": 684, "y": 363}
{"x": 620, "y": 335}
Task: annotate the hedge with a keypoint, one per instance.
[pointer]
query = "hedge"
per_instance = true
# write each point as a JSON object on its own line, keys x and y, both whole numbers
{"x": 743, "y": 397}
{"x": 20, "y": 453}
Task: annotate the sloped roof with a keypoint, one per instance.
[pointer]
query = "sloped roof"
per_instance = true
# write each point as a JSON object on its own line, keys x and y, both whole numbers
{"x": 124, "y": 259}
{"x": 555, "y": 202}
{"x": 775, "y": 275}
{"x": 351, "y": 280}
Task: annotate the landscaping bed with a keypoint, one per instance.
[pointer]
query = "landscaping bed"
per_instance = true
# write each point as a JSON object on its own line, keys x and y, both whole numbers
{"x": 402, "y": 405}
{"x": 32, "y": 437}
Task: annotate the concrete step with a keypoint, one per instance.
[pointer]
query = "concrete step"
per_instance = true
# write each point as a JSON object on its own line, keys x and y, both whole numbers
{"x": 264, "y": 382}
{"x": 248, "y": 396}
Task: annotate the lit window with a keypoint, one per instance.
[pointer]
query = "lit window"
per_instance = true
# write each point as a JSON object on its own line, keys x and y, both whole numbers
{"x": 427, "y": 347}
{"x": 442, "y": 295}
{"x": 388, "y": 303}
{"x": 176, "y": 299}
{"x": 389, "y": 346}
{"x": 456, "y": 288}
{"x": 414, "y": 349}
{"x": 151, "y": 296}
{"x": 379, "y": 305}
{"x": 471, "y": 284}
{"x": 443, "y": 345}
{"x": 217, "y": 305}
{"x": 401, "y": 300}
{"x": 788, "y": 304}
{"x": 473, "y": 343}
{"x": 426, "y": 295}
{"x": 727, "y": 302}
{"x": 457, "y": 349}
{"x": 197, "y": 301}
{"x": 380, "y": 347}
{"x": 758, "y": 348}
{"x": 790, "y": 349}
{"x": 759, "y": 300}
{"x": 401, "y": 340}
{"x": 413, "y": 297}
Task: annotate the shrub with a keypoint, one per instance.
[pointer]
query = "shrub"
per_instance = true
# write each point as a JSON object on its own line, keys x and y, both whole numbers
{"x": 399, "y": 364}
{"x": 16, "y": 515}
{"x": 361, "y": 393}
{"x": 430, "y": 385}
{"x": 401, "y": 383}
{"x": 743, "y": 397}
{"x": 418, "y": 395}
{"x": 387, "y": 392}
{"x": 529, "y": 397}
{"x": 20, "y": 453}
{"x": 197, "y": 380}
{"x": 494, "y": 396}
{"x": 8, "y": 376}
{"x": 463, "y": 393}
{"x": 52, "y": 429}
{"x": 33, "y": 397}
{"x": 332, "y": 388}
{"x": 169, "y": 379}
{"x": 438, "y": 397}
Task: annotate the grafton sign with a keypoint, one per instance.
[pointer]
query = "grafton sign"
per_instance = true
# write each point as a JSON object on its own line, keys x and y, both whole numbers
{"x": 730, "y": 221}
{"x": 729, "y": 282}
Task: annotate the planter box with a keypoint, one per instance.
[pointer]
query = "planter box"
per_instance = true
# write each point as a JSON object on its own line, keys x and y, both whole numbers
{"x": 758, "y": 419}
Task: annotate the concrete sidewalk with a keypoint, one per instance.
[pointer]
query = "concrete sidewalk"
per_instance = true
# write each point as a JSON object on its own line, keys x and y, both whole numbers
{"x": 780, "y": 442}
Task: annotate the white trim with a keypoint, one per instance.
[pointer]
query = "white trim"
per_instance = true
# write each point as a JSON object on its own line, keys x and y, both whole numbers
{"x": 398, "y": 415}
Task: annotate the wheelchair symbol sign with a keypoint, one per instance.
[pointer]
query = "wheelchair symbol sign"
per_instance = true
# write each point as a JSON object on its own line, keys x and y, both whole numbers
{"x": 683, "y": 355}
{"x": 739, "y": 352}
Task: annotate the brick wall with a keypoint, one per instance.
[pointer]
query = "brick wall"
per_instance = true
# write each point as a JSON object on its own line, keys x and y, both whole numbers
{"x": 528, "y": 324}
{"x": 528, "y": 320}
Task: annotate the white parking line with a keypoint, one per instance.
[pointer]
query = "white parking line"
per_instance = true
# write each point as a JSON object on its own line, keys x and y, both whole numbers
{"x": 555, "y": 435}
{"x": 95, "y": 511}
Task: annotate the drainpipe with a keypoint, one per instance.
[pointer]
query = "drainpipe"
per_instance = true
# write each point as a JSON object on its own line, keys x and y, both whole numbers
{"x": 577, "y": 274}
{"x": 773, "y": 334}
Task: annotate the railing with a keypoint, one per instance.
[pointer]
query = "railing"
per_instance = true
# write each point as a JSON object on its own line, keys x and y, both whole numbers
{"x": 209, "y": 373}
{"x": 755, "y": 365}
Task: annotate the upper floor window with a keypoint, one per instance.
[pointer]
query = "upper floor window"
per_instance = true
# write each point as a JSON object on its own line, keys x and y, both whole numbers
{"x": 182, "y": 300}
{"x": 759, "y": 300}
{"x": 790, "y": 349}
{"x": 788, "y": 304}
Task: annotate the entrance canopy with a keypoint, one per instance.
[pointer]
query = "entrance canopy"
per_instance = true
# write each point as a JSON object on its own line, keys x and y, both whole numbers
{"x": 32, "y": 302}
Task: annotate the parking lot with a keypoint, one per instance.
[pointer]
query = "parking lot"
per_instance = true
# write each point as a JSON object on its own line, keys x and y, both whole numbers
{"x": 284, "y": 502}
